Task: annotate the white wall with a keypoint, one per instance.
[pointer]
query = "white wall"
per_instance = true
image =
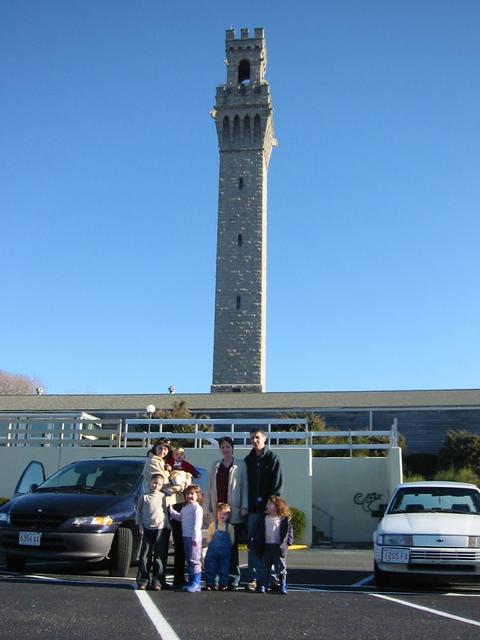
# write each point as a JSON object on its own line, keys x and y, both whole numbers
{"x": 296, "y": 467}
{"x": 338, "y": 483}
{"x": 310, "y": 484}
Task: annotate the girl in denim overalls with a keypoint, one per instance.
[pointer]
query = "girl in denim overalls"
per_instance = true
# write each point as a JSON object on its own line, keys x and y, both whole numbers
{"x": 220, "y": 539}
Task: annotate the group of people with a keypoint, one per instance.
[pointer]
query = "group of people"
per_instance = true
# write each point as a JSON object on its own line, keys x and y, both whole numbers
{"x": 241, "y": 495}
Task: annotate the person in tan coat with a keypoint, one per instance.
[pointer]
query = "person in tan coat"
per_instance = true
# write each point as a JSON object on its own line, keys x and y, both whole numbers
{"x": 227, "y": 483}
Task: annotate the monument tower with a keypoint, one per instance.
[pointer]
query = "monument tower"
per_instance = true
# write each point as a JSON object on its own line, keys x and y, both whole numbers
{"x": 244, "y": 122}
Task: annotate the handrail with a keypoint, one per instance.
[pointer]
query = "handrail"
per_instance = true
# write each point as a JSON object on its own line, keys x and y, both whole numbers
{"x": 75, "y": 430}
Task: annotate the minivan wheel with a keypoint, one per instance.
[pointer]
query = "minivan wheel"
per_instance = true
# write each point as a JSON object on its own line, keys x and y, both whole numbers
{"x": 15, "y": 563}
{"x": 121, "y": 553}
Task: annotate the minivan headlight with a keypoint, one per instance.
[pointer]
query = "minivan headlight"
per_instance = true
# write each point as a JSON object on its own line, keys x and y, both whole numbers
{"x": 98, "y": 521}
{"x": 395, "y": 540}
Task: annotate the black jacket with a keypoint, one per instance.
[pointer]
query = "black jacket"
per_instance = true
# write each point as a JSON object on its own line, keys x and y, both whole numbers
{"x": 264, "y": 479}
{"x": 257, "y": 539}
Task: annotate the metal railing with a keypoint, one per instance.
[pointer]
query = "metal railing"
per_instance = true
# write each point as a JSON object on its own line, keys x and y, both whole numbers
{"x": 84, "y": 430}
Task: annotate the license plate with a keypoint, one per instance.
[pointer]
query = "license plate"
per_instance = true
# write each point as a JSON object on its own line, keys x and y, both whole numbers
{"x": 29, "y": 538}
{"x": 396, "y": 555}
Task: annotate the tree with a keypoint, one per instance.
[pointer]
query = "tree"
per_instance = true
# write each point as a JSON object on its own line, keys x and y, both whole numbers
{"x": 16, "y": 384}
{"x": 460, "y": 449}
{"x": 180, "y": 410}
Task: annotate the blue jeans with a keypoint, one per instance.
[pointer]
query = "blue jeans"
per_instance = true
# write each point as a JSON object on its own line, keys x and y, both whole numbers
{"x": 254, "y": 559}
{"x": 217, "y": 560}
{"x": 272, "y": 555}
{"x": 193, "y": 556}
{"x": 153, "y": 553}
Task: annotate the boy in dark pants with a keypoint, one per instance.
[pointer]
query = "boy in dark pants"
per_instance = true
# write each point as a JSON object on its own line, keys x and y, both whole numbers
{"x": 152, "y": 520}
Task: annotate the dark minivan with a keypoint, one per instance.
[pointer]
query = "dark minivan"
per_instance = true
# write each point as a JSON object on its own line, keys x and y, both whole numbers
{"x": 84, "y": 511}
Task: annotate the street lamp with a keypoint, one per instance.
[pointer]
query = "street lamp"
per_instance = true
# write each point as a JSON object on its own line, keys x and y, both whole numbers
{"x": 150, "y": 409}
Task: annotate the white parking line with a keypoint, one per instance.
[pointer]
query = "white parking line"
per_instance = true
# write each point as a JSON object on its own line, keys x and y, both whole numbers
{"x": 443, "y": 614}
{"x": 163, "y": 628}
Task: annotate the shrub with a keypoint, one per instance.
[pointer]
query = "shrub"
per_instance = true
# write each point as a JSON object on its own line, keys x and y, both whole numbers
{"x": 464, "y": 474}
{"x": 298, "y": 522}
{"x": 3, "y": 501}
{"x": 413, "y": 477}
{"x": 460, "y": 449}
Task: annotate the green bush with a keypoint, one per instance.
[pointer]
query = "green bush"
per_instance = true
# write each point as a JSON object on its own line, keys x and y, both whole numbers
{"x": 460, "y": 449}
{"x": 298, "y": 523}
{"x": 414, "y": 477}
{"x": 3, "y": 501}
{"x": 464, "y": 474}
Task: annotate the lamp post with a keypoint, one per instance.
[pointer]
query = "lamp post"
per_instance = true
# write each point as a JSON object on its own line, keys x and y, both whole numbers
{"x": 150, "y": 409}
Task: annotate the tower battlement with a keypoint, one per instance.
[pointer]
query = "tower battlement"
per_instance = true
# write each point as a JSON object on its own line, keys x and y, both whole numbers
{"x": 259, "y": 33}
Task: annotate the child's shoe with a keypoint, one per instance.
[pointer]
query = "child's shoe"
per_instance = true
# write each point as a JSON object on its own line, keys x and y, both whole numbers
{"x": 251, "y": 586}
{"x": 195, "y": 584}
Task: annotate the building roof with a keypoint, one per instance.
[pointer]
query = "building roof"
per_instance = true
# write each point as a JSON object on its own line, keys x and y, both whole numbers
{"x": 251, "y": 402}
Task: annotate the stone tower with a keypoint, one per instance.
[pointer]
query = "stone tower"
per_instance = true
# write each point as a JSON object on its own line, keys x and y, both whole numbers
{"x": 244, "y": 122}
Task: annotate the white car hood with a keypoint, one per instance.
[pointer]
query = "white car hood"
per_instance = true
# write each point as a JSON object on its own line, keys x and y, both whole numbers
{"x": 431, "y": 523}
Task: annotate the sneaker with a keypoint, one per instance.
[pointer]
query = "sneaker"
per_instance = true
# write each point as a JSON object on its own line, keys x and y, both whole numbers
{"x": 157, "y": 587}
{"x": 223, "y": 587}
{"x": 260, "y": 589}
{"x": 141, "y": 587}
{"x": 275, "y": 585}
{"x": 232, "y": 587}
{"x": 251, "y": 586}
{"x": 210, "y": 587}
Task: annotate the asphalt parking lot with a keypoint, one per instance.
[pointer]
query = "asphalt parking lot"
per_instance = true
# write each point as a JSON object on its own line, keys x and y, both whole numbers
{"x": 331, "y": 596}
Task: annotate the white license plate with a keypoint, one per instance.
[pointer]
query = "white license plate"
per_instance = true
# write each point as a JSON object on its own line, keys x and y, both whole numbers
{"x": 29, "y": 538}
{"x": 396, "y": 555}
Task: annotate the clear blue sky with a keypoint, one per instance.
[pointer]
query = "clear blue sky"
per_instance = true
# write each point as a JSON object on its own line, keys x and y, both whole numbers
{"x": 108, "y": 192}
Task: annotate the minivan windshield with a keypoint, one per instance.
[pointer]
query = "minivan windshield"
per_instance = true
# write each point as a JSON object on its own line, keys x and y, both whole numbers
{"x": 103, "y": 476}
{"x": 441, "y": 499}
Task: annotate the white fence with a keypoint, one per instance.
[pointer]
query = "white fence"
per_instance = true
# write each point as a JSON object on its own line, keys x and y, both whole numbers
{"x": 84, "y": 430}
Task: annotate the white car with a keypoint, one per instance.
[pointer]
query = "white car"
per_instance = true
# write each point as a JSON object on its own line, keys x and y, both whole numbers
{"x": 429, "y": 528}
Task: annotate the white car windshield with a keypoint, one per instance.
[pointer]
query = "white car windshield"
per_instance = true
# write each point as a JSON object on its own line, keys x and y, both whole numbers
{"x": 445, "y": 500}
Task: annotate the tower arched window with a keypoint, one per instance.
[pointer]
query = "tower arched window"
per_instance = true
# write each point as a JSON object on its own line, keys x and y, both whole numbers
{"x": 256, "y": 128}
{"x": 236, "y": 130}
{"x": 226, "y": 129}
{"x": 246, "y": 131}
{"x": 244, "y": 72}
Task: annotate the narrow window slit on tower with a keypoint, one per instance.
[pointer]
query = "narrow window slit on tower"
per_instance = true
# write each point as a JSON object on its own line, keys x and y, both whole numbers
{"x": 240, "y": 183}
{"x": 240, "y": 239}
{"x": 239, "y": 302}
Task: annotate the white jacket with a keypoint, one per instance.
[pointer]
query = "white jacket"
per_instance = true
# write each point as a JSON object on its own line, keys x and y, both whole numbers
{"x": 237, "y": 490}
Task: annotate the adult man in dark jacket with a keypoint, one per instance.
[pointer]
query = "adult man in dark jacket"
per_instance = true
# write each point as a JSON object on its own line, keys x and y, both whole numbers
{"x": 264, "y": 480}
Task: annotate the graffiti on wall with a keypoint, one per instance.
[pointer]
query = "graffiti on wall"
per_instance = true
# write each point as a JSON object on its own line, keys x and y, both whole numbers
{"x": 367, "y": 500}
